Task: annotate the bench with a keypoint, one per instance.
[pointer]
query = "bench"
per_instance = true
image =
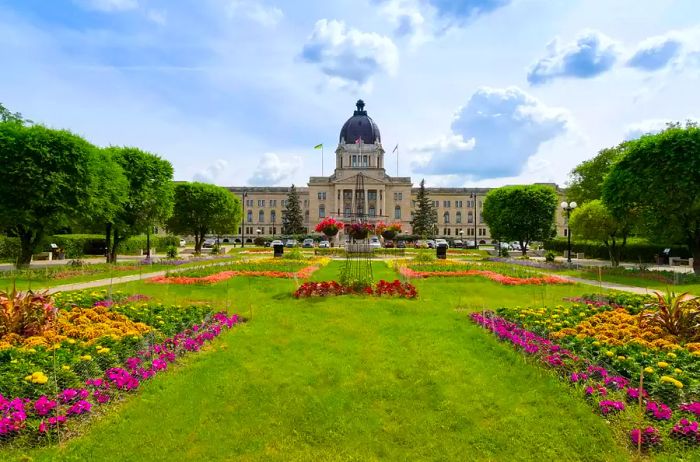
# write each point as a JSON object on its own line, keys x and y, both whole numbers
{"x": 43, "y": 256}
{"x": 677, "y": 261}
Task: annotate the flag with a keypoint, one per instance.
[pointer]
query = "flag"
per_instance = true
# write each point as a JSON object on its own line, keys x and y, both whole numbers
{"x": 395, "y": 149}
{"x": 319, "y": 146}
{"x": 358, "y": 140}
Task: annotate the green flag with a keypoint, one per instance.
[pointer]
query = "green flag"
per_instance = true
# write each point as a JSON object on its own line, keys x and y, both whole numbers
{"x": 319, "y": 146}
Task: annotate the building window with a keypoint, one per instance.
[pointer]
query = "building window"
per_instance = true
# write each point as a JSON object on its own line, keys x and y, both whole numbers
{"x": 261, "y": 202}
{"x": 273, "y": 216}
{"x": 470, "y": 217}
{"x": 456, "y": 231}
{"x": 322, "y": 211}
{"x": 446, "y": 204}
{"x": 283, "y": 202}
{"x": 250, "y": 216}
{"x": 481, "y": 217}
{"x": 364, "y": 161}
{"x": 397, "y": 212}
{"x": 306, "y": 215}
{"x": 458, "y": 218}
{"x": 372, "y": 212}
{"x": 322, "y": 196}
{"x": 446, "y": 218}
{"x": 347, "y": 212}
{"x": 354, "y": 161}
{"x": 458, "y": 204}
{"x": 398, "y": 196}
{"x": 273, "y": 203}
{"x": 306, "y": 202}
{"x": 566, "y": 232}
{"x": 261, "y": 216}
{"x": 436, "y": 204}
{"x": 372, "y": 195}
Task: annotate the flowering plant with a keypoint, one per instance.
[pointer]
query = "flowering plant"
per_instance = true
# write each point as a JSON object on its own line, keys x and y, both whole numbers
{"x": 329, "y": 226}
{"x": 388, "y": 231}
{"x": 332, "y": 288}
{"x": 649, "y": 437}
{"x": 359, "y": 230}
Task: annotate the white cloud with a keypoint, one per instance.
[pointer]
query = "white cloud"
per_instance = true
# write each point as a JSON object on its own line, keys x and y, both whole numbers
{"x": 273, "y": 170}
{"x": 109, "y": 5}
{"x": 267, "y": 16}
{"x": 212, "y": 172}
{"x": 591, "y": 54}
{"x": 159, "y": 17}
{"x": 503, "y": 129}
{"x": 350, "y": 54}
{"x": 675, "y": 49}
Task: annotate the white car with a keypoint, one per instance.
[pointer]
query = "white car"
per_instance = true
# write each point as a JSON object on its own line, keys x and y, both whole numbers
{"x": 276, "y": 242}
{"x": 209, "y": 243}
{"x": 374, "y": 242}
{"x": 324, "y": 245}
{"x": 183, "y": 242}
{"x": 441, "y": 242}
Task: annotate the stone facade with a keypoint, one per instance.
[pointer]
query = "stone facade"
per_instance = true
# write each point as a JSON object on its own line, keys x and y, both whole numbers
{"x": 383, "y": 197}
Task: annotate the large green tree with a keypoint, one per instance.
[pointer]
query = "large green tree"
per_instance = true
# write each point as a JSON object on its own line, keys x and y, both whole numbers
{"x": 49, "y": 182}
{"x": 202, "y": 208}
{"x": 586, "y": 179}
{"x": 292, "y": 218}
{"x": 659, "y": 178}
{"x": 521, "y": 213}
{"x": 593, "y": 221}
{"x": 425, "y": 217}
{"x": 149, "y": 200}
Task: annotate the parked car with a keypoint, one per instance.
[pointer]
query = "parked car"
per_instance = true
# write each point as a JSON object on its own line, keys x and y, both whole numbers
{"x": 400, "y": 244}
{"x": 469, "y": 244}
{"x": 324, "y": 245}
{"x": 389, "y": 244}
{"x": 308, "y": 243}
{"x": 430, "y": 243}
{"x": 441, "y": 242}
{"x": 209, "y": 243}
{"x": 374, "y": 242}
{"x": 276, "y": 242}
{"x": 291, "y": 243}
{"x": 420, "y": 245}
{"x": 183, "y": 242}
{"x": 457, "y": 244}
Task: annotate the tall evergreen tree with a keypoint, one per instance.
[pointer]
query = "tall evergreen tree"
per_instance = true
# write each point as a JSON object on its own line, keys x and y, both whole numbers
{"x": 425, "y": 218}
{"x": 292, "y": 218}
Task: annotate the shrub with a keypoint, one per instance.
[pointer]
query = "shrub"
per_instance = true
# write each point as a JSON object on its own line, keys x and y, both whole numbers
{"x": 549, "y": 256}
{"x": 25, "y": 313}
{"x": 259, "y": 241}
{"x": 424, "y": 257}
{"x": 79, "y": 245}
{"x": 9, "y": 248}
{"x": 172, "y": 252}
{"x": 677, "y": 315}
{"x": 637, "y": 250}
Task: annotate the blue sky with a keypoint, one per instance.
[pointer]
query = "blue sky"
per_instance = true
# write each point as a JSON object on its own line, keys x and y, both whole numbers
{"x": 237, "y": 92}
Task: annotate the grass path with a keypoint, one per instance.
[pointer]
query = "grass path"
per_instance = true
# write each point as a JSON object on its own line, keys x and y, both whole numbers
{"x": 346, "y": 379}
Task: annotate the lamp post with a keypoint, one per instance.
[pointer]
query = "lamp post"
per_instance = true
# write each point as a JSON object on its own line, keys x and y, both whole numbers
{"x": 472, "y": 196}
{"x": 568, "y": 206}
{"x": 245, "y": 194}
{"x": 461, "y": 237}
{"x": 258, "y": 231}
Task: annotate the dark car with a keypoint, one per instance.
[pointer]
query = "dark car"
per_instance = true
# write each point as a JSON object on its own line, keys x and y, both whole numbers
{"x": 389, "y": 244}
{"x": 401, "y": 245}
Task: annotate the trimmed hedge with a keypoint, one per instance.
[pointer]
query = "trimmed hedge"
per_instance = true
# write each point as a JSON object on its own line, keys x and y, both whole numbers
{"x": 9, "y": 248}
{"x": 634, "y": 251}
{"x": 78, "y": 245}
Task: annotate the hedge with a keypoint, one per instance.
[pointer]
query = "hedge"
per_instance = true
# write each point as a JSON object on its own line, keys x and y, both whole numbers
{"x": 636, "y": 249}
{"x": 9, "y": 248}
{"x": 78, "y": 245}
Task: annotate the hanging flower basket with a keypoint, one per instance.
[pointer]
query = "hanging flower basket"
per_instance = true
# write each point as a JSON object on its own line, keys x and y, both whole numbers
{"x": 329, "y": 226}
{"x": 388, "y": 231}
{"x": 359, "y": 231}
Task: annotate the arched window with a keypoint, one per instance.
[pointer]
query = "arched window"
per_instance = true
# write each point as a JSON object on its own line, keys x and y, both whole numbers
{"x": 250, "y": 216}
{"x": 261, "y": 216}
{"x": 322, "y": 211}
{"x": 459, "y": 217}
{"x": 446, "y": 217}
{"x": 397, "y": 212}
{"x": 470, "y": 217}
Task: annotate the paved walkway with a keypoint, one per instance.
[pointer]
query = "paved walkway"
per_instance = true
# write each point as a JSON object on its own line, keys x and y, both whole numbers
{"x": 609, "y": 285}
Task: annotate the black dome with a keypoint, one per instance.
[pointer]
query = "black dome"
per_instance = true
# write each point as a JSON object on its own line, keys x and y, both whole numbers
{"x": 360, "y": 125}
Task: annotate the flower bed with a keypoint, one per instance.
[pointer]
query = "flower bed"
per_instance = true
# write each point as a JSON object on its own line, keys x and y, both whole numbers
{"x": 395, "y": 288}
{"x": 492, "y": 272}
{"x": 224, "y": 275}
{"x": 40, "y": 417}
{"x": 607, "y": 391}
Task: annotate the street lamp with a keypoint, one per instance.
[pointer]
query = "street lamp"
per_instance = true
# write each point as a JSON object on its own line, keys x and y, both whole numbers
{"x": 245, "y": 194}
{"x": 472, "y": 196}
{"x": 461, "y": 237}
{"x": 258, "y": 231}
{"x": 568, "y": 206}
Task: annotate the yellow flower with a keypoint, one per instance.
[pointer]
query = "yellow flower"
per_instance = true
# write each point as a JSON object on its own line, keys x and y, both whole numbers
{"x": 28, "y": 378}
{"x": 677, "y": 371}
{"x": 609, "y": 354}
{"x": 65, "y": 368}
{"x": 621, "y": 358}
{"x": 70, "y": 341}
{"x": 662, "y": 364}
{"x": 103, "y": 351}
{"x": 649, "y": 370}
{"x": 596, "y": 343}
{"x": 672, "y": 355}
{"x": 86, "y": 358}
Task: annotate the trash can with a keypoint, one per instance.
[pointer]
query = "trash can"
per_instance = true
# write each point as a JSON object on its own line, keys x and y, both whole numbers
{"x": 278, "y": 249}
{"x": 663, "y": 259}
{"x": 441, "y": 251}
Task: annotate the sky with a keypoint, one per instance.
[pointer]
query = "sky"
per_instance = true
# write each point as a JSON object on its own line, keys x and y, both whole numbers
{"x": 475, "y": 93}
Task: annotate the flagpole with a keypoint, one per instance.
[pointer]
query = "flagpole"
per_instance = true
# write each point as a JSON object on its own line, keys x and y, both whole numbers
{"x": 397, "y": 160}
{"x": 321, "y": 159}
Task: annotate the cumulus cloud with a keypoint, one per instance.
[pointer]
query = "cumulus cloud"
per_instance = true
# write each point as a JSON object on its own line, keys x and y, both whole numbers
{"x": 492, "y": 136}
{"x": 108, "y": 5}
{"x": 465, "y": 10}
{"x": 649, "y": 126}
{"x": 655, "y": 53}
{"x": 212, "y": 172}
{"x": 591, "y": 54}
{"x": 349, "y": 54}
{"x": 267, "y": 16}
{"x": 273, "y": 170}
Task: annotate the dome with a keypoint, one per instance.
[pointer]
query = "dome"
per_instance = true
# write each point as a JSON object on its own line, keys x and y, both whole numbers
{"x": 360, "y": 125}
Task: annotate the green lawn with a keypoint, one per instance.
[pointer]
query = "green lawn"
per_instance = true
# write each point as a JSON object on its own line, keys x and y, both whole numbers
{"x": 350, "y": 378}
{"x": 633, "y": 280}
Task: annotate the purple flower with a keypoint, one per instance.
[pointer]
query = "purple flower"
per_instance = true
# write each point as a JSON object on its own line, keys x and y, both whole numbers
{"x": 658, "y": 411}
{"x": 649, "y": 437}
{"x": 693, "y": 408}
{"x": 686, "y": 429}
{"x": 611, "y": 407}
{"x": 616, "y": 383}
{"x": 81, "y": 407}
{"x": 43, "y": 405}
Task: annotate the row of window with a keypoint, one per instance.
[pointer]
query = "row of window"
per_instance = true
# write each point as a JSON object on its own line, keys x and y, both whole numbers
{"x": 469, "y": 232}
{"x": 458, "y": 217}
{"x": 272, "y": 203}
{"x": 448, "y": 204}
{"x": 273, "y": 216}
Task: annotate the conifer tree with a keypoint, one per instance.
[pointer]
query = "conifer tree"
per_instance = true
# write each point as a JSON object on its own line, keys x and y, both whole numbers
{"x": 292, "y": 218}
{"x": 425, "y": 218}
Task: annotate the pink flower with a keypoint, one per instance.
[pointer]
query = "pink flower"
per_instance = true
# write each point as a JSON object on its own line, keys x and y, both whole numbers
{"x": 43, "y": 405}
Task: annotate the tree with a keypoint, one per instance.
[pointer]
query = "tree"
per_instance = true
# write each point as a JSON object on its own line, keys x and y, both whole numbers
{"x": 659, "y": 178}
{"x": 7, "y": 116}
{"x": 149, "y": 200}
{"x": 587, "y": 178}
{"x": 425, "y": 219}
{"x": 521, "y": 213}
{"x": 49, "y": 182}
{"x": 593, "y": 221}
{"x": 292, "y": 219}
{"x": 202, "y": 208}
